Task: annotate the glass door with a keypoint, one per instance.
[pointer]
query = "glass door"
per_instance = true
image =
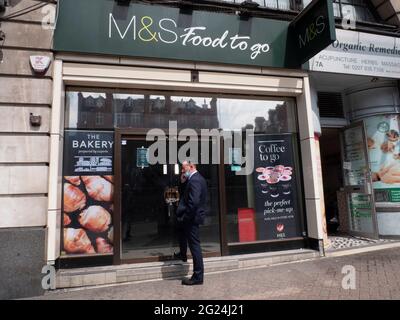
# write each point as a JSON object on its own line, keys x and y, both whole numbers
{"x": 149, "y": 199}
{"x": 146, "y": 224}
{"x": 357, "y": 182}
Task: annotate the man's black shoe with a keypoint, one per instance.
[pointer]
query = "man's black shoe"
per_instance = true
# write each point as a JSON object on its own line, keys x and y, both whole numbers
{"x": 191, "y": 282}
{"x": 178, "y": 256}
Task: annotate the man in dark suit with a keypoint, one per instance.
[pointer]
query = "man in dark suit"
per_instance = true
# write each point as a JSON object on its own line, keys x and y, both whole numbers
{"x": 191, "y": 212}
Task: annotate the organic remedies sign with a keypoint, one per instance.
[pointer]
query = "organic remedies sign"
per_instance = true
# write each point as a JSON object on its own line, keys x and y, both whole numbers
{"x": 164, "y": 32}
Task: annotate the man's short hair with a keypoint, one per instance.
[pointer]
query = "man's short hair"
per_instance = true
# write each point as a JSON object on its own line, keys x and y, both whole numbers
{"x": 191, "y": 162}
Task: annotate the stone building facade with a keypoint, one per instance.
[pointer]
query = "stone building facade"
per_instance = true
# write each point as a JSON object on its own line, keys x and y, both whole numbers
{"x": 24, "y": 148}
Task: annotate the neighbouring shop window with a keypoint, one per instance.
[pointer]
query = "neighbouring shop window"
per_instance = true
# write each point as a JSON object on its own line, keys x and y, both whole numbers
{"x": 264, "y": 205}
{"x": 384, "y": 156}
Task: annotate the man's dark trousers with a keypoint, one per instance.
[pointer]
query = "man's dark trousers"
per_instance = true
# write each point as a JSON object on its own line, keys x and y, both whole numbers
{"x": 191, "y": 211}
{"x": 192, "y": 233}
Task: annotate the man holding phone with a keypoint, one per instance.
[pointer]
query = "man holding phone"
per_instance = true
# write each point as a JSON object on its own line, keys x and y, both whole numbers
{"x": 190, "y": 213}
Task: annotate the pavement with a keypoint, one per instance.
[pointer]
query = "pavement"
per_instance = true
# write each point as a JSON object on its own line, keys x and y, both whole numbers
{"x": 377, "y": 276}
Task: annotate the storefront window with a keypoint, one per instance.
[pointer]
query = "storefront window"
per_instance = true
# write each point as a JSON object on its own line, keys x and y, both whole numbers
{"x": 265, "y": 205}
{"x": 261, "y": 206}
{"x": 107, "y": 110}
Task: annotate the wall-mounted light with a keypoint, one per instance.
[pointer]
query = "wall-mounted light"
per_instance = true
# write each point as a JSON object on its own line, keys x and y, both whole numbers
{"x": 245, "y": 9}
{"x": 35, "y": 120}
{"x": 3, "y": 4}
{"x": 249, "y": 4}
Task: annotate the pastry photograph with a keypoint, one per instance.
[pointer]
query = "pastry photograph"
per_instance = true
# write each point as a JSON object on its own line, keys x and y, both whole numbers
{"x": 77, "y": 241}
{"x": 67, "y": 220}
{"x": 98, "y": 188}
{"x": 74, "y": 198}
{"x": 87, "y": 214}
{"x": 75, "y": 180}
{"x": 109, "y": 178}
{"x": 110, "y": 235}
{"x": 95, "y": 219}
{"x": 103, "y": 246}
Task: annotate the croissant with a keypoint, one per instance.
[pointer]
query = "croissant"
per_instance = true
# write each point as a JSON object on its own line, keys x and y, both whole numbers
{"x": 95, "y": 218}
{"x": 67, "y": 220}
{"x": 77, "y": 241}
{"x": 103, "y": 246}
{"x": 75, "y": 180}
{"x": 109, "y": 178}
{"x": 74, "y": 198}
{"x": 110, "y": 235}
{"x": 98, "y": 188}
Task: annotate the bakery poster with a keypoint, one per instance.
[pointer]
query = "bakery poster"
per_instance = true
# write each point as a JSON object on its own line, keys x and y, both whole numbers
{"x": 88, "y": 189}
{"x": 277, "y": 214}
{"x": 384, "y": 155}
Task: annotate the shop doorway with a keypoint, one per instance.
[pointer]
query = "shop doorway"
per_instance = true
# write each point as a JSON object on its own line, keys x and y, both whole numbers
{"x": 148, "y": 199}
{"x": 332, "y": 175}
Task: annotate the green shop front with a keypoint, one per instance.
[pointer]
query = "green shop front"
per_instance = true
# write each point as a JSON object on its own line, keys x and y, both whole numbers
{"x": 131, "y": 77}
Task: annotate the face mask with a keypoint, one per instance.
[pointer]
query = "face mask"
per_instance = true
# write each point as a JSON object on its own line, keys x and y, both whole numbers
{"x": 187, "y": 174}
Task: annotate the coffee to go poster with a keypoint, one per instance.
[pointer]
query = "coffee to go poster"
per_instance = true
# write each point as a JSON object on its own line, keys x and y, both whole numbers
{"x": 276, "y": 203}
{"x": 88, "y": 190}
{"x": 384, "y": 155}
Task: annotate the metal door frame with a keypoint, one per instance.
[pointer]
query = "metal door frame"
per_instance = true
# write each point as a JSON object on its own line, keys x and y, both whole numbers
{"x": 140, "y": 134}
